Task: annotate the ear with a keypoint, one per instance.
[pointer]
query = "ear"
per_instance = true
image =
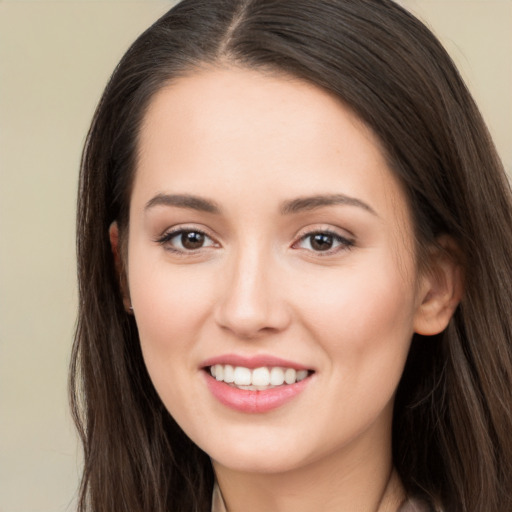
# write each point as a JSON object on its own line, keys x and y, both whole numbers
{"x": 113, "y": 233}
{"x": 441, "y": 288}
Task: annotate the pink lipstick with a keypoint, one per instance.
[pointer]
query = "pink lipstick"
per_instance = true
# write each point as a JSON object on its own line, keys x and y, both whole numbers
{"x": 255, "y": 384}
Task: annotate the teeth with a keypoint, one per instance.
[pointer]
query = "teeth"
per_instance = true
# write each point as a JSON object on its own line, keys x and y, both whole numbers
{"x": 219, "y": 372}
{"x": 260, "y": 377}
{"x": 301, "y": 375}
{"x": 242, "y": 376}
{"x": 276, "y": 376}
{"x": 257, "y": 379}
{"x": 229, "y": 373}
{"x": 290, "y": 375}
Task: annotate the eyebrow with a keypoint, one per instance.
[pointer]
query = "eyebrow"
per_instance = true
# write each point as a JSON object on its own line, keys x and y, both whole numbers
{"x": 303, "y": 204}
{"x": 183, "y": 201}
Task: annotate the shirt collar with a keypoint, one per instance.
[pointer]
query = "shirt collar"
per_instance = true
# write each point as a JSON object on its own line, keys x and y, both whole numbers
{"x": 217, "y": 501}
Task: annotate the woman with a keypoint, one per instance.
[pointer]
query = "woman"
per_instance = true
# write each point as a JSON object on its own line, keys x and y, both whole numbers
{"x": 293, "y": 242}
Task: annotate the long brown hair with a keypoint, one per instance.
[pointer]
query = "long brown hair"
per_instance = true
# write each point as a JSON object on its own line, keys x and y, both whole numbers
{"x": 452, "y": 430}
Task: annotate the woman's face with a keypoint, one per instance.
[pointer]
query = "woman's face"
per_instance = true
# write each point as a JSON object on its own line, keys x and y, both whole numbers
{"x": 269, "y": 240}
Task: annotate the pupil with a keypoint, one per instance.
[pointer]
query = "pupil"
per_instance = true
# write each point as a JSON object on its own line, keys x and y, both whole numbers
{"x": 321, "y": 242}
{"x": 192, "y": 240}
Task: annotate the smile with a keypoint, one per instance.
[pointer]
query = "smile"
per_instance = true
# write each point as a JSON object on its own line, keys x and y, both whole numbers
{"x": 257, "y": 379}
{"x": 256, "y": 388}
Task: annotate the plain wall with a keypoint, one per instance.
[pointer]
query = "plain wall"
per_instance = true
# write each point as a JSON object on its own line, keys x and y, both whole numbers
{"x": 55, "y": 58}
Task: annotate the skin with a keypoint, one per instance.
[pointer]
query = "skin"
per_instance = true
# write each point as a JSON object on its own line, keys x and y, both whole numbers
{"x": 252, "y": 143}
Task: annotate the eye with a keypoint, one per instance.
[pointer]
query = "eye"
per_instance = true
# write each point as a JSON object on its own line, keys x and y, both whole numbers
{"x": 185, "y": 240}
{"x": 324, "y": 241}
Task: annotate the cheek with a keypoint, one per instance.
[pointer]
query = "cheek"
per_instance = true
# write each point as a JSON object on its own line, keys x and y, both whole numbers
{"x": 171, "y": 305}
{"x": 171, "y": 308}
{"x": 363, "y": 317}
{"x": 363, "y": 322}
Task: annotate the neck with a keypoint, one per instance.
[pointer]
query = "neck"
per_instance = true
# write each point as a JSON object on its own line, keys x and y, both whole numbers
{"x": 364, "y": 482}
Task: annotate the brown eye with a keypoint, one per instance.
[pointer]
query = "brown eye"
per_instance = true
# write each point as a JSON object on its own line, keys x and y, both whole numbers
{"x": 324, "y": 241}
{"x": 184, "y": 240}
{"x": 321, "y": 242}
{"x": 192, "y": 240}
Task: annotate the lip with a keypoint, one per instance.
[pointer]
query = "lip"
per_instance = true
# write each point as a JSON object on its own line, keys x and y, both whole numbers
{"x": 252, "y": 362}
{"x": 248, "y": 401}
{"x": 253, "y": 401}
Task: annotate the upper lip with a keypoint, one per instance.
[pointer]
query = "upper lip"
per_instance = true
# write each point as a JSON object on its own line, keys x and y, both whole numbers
{"x": 256, "y": 361}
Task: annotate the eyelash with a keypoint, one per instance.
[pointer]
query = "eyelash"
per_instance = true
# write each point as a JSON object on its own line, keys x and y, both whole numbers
{"x": 166, "y": 238}
{"x": 343, "y": 242}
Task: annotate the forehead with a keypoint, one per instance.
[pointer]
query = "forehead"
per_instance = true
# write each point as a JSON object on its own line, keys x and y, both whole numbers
{"x": 232, "y": 100}
{"x": 220, "y": 130}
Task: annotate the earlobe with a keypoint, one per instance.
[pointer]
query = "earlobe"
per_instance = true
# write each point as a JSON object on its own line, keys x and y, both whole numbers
{"x": 115, "y": 245}
{"x": 441, "y": 289}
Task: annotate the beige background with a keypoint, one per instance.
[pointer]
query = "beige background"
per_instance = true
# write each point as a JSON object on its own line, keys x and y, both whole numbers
{"x": 55, "y": 57}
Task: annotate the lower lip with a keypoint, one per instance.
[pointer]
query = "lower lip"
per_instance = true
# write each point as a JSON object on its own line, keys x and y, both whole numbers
{"x": 250, "y": 401}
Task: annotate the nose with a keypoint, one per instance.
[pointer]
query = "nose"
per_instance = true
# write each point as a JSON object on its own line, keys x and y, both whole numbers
{"x": 253, "y": 301}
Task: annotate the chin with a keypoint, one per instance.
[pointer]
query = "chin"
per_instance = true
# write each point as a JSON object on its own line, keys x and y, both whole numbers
{"x": 258, "y": 464}
{"x": 264, "y": 457}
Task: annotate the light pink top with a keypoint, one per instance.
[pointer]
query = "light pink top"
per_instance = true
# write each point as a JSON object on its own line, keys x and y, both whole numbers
{"x": 411, "y": 505}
